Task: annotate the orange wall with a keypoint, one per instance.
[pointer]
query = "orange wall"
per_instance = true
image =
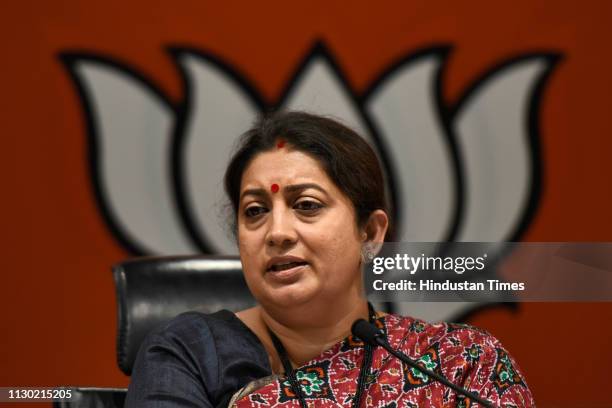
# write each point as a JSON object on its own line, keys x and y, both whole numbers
{"x": 57, "y": 298}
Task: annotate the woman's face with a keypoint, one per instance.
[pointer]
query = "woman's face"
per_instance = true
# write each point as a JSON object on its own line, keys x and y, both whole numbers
{"x": 297, "y": 232}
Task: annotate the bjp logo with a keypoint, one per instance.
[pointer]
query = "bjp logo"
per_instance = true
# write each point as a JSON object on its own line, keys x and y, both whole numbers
{"x": 466, "y": 172}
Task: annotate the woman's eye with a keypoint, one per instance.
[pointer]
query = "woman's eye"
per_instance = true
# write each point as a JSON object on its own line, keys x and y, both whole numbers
{"x": 254, "y": 211}
{"x": 308, "y": 206}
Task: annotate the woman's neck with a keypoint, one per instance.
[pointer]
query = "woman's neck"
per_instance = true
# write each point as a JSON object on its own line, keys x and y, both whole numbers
{"x": 304, "y": 332}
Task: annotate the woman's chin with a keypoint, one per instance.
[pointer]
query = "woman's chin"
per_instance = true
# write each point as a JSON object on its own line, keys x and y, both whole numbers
{"x": 290, "y": 295}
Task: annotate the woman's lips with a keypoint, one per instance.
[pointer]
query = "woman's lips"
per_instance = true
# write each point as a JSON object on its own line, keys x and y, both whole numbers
{"x": 286, "y": 275}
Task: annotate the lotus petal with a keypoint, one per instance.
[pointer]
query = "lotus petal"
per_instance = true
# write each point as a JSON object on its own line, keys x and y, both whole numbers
{"x": 318, "y": 88}
{"x": 404, "y": 109}
{"x": 130, "y": 130}
{"x": 495, "y": 144}
{"x": 218, "y": 113}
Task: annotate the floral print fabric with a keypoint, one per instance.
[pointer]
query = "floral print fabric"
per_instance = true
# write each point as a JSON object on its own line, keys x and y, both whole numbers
{"x": 467, "y": 356}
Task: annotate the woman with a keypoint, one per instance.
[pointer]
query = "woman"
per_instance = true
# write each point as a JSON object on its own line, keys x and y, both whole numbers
{"x": 309, "y": 204}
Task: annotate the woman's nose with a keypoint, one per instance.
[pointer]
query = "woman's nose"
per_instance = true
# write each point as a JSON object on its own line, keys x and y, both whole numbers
{"x": 281, "y": 230}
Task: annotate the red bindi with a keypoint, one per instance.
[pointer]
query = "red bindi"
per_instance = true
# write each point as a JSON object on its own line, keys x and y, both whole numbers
{"x": 274, "y": 187}
{"x": 280, "y": 143}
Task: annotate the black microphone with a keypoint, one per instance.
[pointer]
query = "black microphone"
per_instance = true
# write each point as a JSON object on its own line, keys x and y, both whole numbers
{"x": 367, "y": 332}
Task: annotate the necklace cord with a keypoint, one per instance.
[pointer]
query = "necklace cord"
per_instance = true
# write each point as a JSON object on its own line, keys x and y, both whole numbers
{"x": 291, "y": 373}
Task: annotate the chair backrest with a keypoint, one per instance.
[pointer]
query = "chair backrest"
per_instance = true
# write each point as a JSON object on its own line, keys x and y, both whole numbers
{"x": 153, "y": 290}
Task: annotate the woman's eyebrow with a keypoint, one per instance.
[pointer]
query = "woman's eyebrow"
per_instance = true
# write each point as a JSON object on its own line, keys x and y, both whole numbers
{"x": 253, "y": 191}
{"x": 299, "y": 187}
{"x": 292, "y": 188}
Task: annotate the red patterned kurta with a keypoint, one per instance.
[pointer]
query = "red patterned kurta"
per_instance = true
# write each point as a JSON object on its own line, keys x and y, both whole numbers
{"x": 465, "y": 355}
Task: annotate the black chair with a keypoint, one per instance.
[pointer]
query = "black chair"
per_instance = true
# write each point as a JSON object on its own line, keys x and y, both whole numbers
{"x": 151, "y": 291}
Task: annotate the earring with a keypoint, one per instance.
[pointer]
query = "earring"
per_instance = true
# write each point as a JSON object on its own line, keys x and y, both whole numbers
{"x": 367, "y": 255}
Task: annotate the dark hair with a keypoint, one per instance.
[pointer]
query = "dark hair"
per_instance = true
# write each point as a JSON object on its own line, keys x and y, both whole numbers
{"x": 346, "y": 157}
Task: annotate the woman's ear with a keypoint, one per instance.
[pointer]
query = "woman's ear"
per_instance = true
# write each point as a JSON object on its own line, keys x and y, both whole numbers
{"x": 376, "y": 227}
{"x": 373, "y": 234}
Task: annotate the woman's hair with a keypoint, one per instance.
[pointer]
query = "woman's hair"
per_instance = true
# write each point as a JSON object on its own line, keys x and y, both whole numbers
{"x": 346, "y": 157}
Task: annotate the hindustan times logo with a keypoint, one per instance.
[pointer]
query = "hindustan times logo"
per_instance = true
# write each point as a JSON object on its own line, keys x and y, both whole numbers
{"x": 412, "y": 264}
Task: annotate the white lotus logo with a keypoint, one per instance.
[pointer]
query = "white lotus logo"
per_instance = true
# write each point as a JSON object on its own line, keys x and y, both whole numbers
{"x": 467, "y": 172}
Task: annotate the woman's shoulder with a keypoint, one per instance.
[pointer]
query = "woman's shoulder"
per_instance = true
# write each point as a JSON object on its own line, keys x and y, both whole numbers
{"x": 201, "y": 336}
{"x": 211, "y": 355}
{"x": 399, "y": 328}
{"x": 461, "y": 351}
{"x": 193, "y": 325}
{"x": 466, "y": 342}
